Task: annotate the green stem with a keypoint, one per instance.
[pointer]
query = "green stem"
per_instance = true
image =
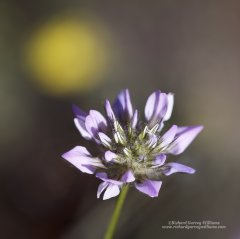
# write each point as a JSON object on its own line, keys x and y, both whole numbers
{"x": 115, "y": 216}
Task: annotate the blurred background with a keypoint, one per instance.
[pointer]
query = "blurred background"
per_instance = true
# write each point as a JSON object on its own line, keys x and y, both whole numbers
{"x": 55, "y": 53}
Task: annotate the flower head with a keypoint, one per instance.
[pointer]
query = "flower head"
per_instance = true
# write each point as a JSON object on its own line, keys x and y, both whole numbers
{"x": 131, "y": 151}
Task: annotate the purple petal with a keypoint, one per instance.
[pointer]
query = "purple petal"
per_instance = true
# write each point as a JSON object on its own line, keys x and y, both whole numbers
{"x": 110, "y": 156}
{"x": 128, "y": 177}
{"x": 105, "y": 140}
{"x": 161, "y": 125}
{"x": 78, "y": 112}
{"x": 177, "y": 168}
{"x": 82, "y": 159}
{"x": 109, "y": 111}
{"x": 134, "y": 119}
{"x": 80, "y": 124}
{"x": 123, "y": 106}
{"x": 103, "y": 176}
{"x": 101, "y": 188}
{"x": 160, "y": 160}
{"x": 153, "y": 139}
{"x": 156, "y": 107}
{"x": 95, "y": 123}
{"x": 151, "y": 104}
{"x": 168, "y": 137}
{"x": 149, "y": 187}
{"x": 170, "y": 99}
{"x": 111, "y": 191}
{"x": 79, "y": 121}
{"x": 184, "y": 136}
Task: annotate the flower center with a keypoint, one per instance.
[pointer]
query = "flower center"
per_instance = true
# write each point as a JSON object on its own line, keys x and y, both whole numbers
{"x": 135, "y": 150}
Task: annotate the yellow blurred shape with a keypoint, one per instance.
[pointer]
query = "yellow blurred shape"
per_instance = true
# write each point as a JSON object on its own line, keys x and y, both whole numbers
{"x": 67, "y": 55}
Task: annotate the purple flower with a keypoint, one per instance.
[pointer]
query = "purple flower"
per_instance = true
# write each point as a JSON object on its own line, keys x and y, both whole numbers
{"x": 132, "y": 152}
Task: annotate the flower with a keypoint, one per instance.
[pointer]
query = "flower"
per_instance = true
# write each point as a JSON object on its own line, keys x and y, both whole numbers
{"x": 131, "y": 151}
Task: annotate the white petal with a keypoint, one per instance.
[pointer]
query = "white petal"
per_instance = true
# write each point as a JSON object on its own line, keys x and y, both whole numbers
{"x": 101, "y": 188}
{"x": 111, "y": 191}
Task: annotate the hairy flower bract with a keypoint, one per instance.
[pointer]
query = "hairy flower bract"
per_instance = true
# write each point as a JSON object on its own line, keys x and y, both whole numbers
{"x": 131, "y": 150}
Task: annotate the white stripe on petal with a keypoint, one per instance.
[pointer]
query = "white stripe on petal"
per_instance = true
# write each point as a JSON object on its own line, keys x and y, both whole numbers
{"x": 128, "y": 103}
{"x": 101, "y": 188}
{"x": 105, "y": 140}
{"x": 109, "y": 111}
{"x": 156, "y": 107}
{"x": 134, "y": 120}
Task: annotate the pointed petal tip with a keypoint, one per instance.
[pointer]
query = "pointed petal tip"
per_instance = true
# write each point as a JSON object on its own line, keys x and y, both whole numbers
{"x": 196, "y": 128}
{"x": 78, "y": 112}
{"x": 75, "y": 109}
{"x": 192, "y": 171}
{"x": 128, "y": 177}
{"x": 64, "y": 155}
{"x": 168, "y": 136}
{"x": 200, "y": 127}
{"x": 125, "y": 90}
{"x": 184, "y": 137}
{"x": 109, "y": 110}
{"x": 107, "y": 103}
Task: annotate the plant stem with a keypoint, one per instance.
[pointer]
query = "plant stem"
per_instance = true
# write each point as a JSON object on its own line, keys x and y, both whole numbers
{"x": 117, "y": 210}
